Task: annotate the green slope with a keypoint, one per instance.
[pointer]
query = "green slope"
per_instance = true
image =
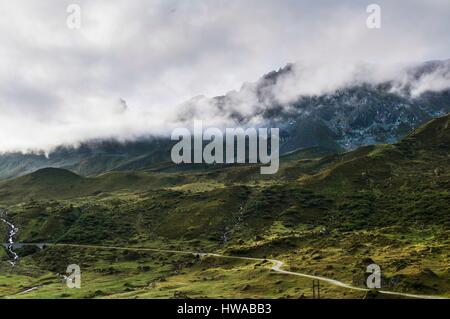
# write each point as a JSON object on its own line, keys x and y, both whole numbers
{"x": 327, "y": 214}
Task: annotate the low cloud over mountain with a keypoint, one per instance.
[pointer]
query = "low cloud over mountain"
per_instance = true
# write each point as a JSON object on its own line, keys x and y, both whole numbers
{"x": 64, "y": 86}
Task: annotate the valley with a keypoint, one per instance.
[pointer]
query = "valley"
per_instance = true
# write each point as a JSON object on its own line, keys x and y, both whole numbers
{"x": 325, "y": 214}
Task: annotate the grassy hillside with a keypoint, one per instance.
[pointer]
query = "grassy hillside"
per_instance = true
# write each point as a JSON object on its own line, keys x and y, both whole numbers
{"x": 323, "y": 213}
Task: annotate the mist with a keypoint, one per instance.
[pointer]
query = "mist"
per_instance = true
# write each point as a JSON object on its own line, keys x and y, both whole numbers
{"x": 136, "y": 68}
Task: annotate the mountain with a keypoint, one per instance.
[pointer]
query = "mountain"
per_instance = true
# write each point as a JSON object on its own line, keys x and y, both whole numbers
{"x": 383, "y": 176}
{"x": 362, "y": 112}
{"x": 425, "y": 149}
{"x": 90, "y": 158}
{"x": 328, "y": 214}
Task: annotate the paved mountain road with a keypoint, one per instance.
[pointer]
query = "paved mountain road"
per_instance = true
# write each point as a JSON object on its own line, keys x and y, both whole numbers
{"x": 277, "y": 265}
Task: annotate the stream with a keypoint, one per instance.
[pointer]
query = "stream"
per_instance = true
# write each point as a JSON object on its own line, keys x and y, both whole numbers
{"x": 237, "y": 222}
{"x": 10, "y": 244}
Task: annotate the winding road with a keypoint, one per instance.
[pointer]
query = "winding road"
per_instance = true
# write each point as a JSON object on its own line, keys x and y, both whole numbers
{"x": 277, "y": 264}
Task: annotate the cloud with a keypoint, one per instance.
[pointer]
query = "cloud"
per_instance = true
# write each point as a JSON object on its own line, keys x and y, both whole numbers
{"x": 63, "y": 86}
{"x": 435, "y": 81}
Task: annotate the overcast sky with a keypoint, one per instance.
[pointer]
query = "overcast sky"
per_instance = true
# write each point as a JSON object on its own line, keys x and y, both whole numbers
{"x": 61, "y": 85}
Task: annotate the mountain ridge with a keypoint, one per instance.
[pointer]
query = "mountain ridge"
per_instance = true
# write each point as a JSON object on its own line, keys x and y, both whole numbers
{"x": 325, "y": 214}
{"x": 345, "y": 119}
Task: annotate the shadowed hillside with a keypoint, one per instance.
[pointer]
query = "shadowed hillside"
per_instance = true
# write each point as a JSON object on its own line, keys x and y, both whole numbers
{"x": 323, "y": 213}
